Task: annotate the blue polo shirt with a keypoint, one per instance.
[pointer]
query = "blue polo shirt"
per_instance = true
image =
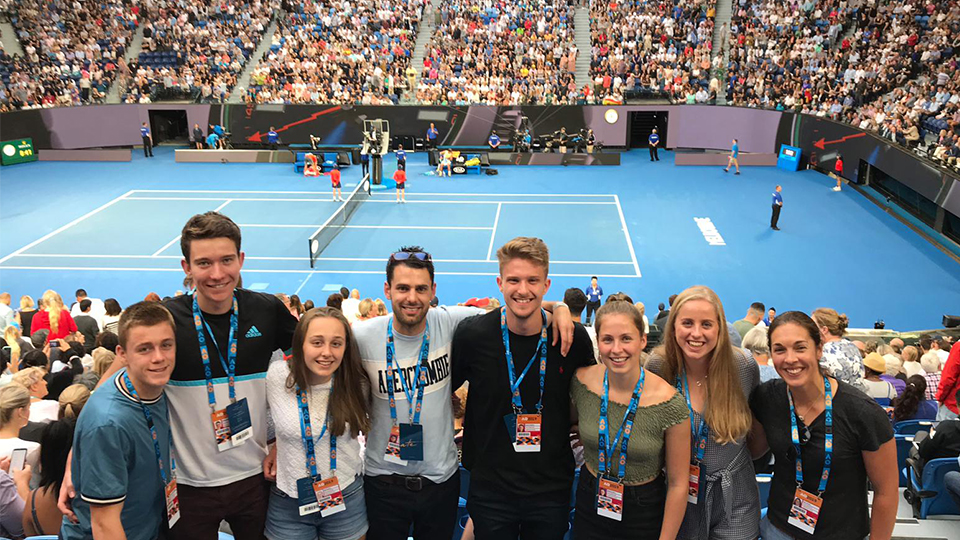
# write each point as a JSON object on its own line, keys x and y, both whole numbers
{"x": 114, "y": 461}
{"x": 272, "y": 137}
{"x": 735, "y": 150}
{"x": 494, "y": 140}
{"x": 654, "y": 138}
{"x": 593, "y": 295}
{"x": 218, "y": 129}
{"x": 212, "y": 140}
{"x": 401, "y": 155}
{"x": 144, "y": 132}
{"x": 777, "y": 199}
{"x": 432, "y": 133}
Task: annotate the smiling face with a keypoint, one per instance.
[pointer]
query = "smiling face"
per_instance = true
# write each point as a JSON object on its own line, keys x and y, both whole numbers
{"x": 149, "y": 355}
{"x": 215, "y": 267}
{"x": 697, "y": 329}
{"x": 620, "y": 343}
{"x": 323, "y": 347}
{"x": 523, "y": 284}
{"x": 795, "y": 355}
{"x": 410, "y": 294}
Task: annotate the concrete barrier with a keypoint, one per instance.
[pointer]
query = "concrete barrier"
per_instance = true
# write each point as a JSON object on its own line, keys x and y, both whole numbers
{"x": 92, "y": 154}
{"x": 234, "y": 156}
{"x": 720, "y": 158}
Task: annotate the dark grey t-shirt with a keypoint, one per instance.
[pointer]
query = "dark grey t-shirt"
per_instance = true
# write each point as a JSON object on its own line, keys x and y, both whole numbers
{"x": 859, "y": 425}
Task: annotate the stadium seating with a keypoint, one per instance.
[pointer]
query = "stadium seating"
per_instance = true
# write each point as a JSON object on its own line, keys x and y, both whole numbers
{"x": 929, "y": 486}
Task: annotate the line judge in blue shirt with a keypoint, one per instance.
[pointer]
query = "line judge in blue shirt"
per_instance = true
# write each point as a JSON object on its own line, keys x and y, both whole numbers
{"x": 147, "y": 140}
{"x": 593, "y": 292}
{"x": 654, "y": 141}
{"x": 494, "y": 141}
{"x": 432, "y": 135}
{"x": 734, "y": 154}
{"x": 777, "y": 205}
{"x": 273, "y": 139}
{"x": 401, "y": 158}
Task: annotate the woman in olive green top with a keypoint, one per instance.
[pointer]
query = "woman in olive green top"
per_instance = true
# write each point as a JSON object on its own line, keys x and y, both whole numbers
{"x": 618, "y": 399}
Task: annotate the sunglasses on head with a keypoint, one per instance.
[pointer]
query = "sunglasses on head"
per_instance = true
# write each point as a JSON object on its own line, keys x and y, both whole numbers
{"x": 404, "y": 255}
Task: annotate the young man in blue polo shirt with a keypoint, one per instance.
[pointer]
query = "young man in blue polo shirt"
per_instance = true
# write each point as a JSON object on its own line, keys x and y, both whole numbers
{"x": 273, "y": 139}
{"x": 121, "y": 464}
{"x": 401, "y": 159}
{"x": 654, "y": 142}
{"x": 777, "y": 205}
{"x": 733, "y": 159}
{"x": 147, "y": 140}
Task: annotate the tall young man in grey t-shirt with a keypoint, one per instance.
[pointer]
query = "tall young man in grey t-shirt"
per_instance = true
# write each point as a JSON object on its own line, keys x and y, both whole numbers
{"x": 417, "y": 484}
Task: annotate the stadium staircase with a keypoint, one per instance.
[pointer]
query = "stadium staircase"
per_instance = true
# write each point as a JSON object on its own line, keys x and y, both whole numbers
{"x": 243, "y": 81}
{"x": 724, "y": 14}
{"x": 428, "y": 22}
{"x": 8, "y": 36}
{"x": 581, "y": 38}
{"x": 133, "y": 52}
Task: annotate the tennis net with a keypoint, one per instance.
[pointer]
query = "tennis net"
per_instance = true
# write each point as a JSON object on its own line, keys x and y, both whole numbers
{"x": 320, "y": 239}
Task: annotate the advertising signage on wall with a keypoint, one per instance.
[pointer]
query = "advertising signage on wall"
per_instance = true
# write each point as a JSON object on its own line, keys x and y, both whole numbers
{"x": 17, "y": 151}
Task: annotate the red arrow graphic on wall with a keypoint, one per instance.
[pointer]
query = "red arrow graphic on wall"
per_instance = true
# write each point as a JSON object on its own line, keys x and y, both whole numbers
{"x": 258, "y": 137}
{"x": 821, "y": 143}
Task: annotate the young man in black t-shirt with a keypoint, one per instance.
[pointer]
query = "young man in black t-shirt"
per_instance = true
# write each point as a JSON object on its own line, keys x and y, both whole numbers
{"x": 220, "y": 475}
{"x": 521, "y": 466}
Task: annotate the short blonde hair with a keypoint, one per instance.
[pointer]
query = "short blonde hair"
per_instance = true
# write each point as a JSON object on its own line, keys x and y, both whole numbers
{"x": 27, "y": 377}
{"x": 12, "y": 397}
{"x": 525, "y": 247}
{"x": 26, "y": 301}
{"x": 910, "y": 354}
{"x": 102, "y": 360}
{"x": 365, "y": 308}
{"x": 930, "y": 362}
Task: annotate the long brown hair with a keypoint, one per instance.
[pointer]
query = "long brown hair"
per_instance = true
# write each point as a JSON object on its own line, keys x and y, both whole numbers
{"x": 351, "y": 385}
{"x": 726, "y": 410}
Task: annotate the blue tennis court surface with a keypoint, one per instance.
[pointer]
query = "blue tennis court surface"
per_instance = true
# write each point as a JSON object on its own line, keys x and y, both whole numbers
{"x": 648, "y": 229}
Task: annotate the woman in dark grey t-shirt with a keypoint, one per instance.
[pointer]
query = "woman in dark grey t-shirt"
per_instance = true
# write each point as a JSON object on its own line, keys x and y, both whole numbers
{"x": 862, "y": 445}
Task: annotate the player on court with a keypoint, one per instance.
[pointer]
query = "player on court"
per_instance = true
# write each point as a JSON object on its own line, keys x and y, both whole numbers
{"x": 310, "y": 167}
{"x": 445, "y": 162}
{"x": 335, "y": 182}
{"x": 400, "y": 177}
{"x": 732, "y": 160}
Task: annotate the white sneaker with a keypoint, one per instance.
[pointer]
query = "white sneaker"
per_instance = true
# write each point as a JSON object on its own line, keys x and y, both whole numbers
{"x": 837, "y": 188}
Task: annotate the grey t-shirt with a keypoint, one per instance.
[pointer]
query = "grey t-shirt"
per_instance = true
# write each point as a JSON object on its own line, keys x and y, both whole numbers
{"x": 440, "y": 453}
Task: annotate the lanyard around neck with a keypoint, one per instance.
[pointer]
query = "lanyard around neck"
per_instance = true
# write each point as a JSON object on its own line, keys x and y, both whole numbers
{"x": 230, "y": 366}
{"x": 541, "y": 352}
{"x": 306, "y": 434}
{"x": 700, "y": 432}
{"x": 419, "y": 375}
{"x": 828, "y": 439}
{"x": 626, "y": 427}
{"x": 153, "y": 430}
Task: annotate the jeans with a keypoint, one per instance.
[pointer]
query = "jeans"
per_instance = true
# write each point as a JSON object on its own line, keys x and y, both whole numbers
{"x": 943, "y": 413}
{"x": 498, "y": 515}
{"x": 284, "y": 521}
{"x": 769, "y": 531}
{"x": 952, "y": 482}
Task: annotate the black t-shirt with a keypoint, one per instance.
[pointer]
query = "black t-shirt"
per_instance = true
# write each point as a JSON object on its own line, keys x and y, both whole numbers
{"x": 859, "y": 425}
{"x": 264, "y": 325}
{"x": 479, "y": 357}
{"x": 87, "y": 326}
{"x": 945, "y": 442}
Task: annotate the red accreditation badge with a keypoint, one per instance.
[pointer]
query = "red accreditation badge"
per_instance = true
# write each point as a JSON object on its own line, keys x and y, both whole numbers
{"x": 329, "y": 496}
{"x": 221, "y": 429}
{"x": 173, "y": 503}
{"x": 392, "y": 455}
{"x": 693, "y": 491}
{"x": 528, "y": 433}
{"x": 805, "y": 511}
{"x": 610, "y": 499}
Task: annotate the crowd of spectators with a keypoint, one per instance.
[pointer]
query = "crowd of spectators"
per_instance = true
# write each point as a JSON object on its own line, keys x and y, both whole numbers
{"x": 339, "y": 52}
{"x": 652, "y": 49}
{"x": 72, "y": 51}
{"x": 500, "y": 53}
{"x": 195, "y": 49}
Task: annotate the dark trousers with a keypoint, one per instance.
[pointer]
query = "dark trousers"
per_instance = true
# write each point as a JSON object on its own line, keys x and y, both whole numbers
{"x": 242, "y": 504}
{"x": 500, "y": 516}
{"x": 642, "y": 511}
{"x": 147, "y": 147}
{"x": 395, "y": 505}
{"x": 591, "y": 307}
{"x": 431, "y": 143}
{"x": 401, "y": 164}
{"x": 775, "y": 216}
{"x": 653, "y": 153}
{"x": 364, "y": 167}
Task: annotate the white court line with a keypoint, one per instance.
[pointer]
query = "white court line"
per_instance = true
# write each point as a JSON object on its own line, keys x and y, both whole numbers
{"x": 300, "y": 288}
{"x": 377, "y": 193}
{"x": 493, "y": 234}
{"x": 251, "y": 271}
{"x": 380, "y": 201}
{"x": 395, "y": 227}
{"x": 65, "y": 227}
{"x": 626, "y": 235}
{"x": 170, "y": 243}
{"x": 251, "y": 258}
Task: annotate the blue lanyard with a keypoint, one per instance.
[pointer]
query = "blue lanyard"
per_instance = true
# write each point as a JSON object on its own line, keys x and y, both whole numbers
{"x": 306, "y": 435}
{"x": 827, "y": 443}
{"x": 153, "y": 430}
{"x": 701, "y": 432}
{"x": 420, "y": 375}
{"x": 626, "y": 427}
{"x": 514, "y": 380}
{"x": 230, "y": 367}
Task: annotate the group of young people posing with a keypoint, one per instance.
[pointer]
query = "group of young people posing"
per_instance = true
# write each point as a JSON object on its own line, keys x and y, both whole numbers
{"x": 204, "y": 423}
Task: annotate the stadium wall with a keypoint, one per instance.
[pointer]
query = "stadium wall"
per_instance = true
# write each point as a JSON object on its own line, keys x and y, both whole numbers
{"x": 687, "y": 126}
